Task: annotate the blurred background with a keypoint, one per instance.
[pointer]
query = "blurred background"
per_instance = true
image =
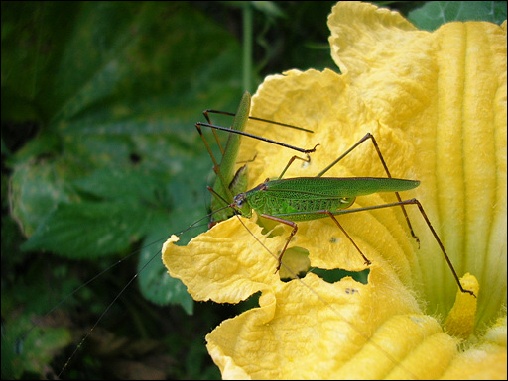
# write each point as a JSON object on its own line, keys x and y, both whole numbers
{"x": 101, "y": 163}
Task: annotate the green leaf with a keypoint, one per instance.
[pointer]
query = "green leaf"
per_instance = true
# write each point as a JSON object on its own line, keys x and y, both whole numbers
{"x": 36, "y": 188}
{"x": 87, "y": 230}
{"x": 433, "y": 14}
{"x": 115, "y": 88}
{"x": 30, "y": 350}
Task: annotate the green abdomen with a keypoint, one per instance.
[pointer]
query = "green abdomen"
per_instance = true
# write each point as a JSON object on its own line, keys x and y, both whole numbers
{"x": 300, "y": 199}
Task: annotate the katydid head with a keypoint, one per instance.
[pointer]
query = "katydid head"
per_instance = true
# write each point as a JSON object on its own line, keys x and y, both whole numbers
{"x": 241, "y": 205}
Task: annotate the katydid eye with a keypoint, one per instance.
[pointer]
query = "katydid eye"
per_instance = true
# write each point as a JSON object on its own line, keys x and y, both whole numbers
{"x": 239, "y": 199}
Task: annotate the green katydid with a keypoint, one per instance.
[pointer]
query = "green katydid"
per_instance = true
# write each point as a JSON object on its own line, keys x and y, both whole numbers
{"x": 309, "y": 198}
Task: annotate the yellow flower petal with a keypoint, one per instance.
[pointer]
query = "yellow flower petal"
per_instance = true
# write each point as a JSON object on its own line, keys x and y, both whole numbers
{"x": 216, "y": 266}
{"x": 436, "y": 103}
{"x": 460, "y": 319}
{"x": 484, "y": 361}
{"x": 445, "y": 94}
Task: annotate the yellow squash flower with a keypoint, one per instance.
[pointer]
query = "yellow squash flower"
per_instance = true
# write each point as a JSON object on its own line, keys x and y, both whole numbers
{"x": 436, "y": 104}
